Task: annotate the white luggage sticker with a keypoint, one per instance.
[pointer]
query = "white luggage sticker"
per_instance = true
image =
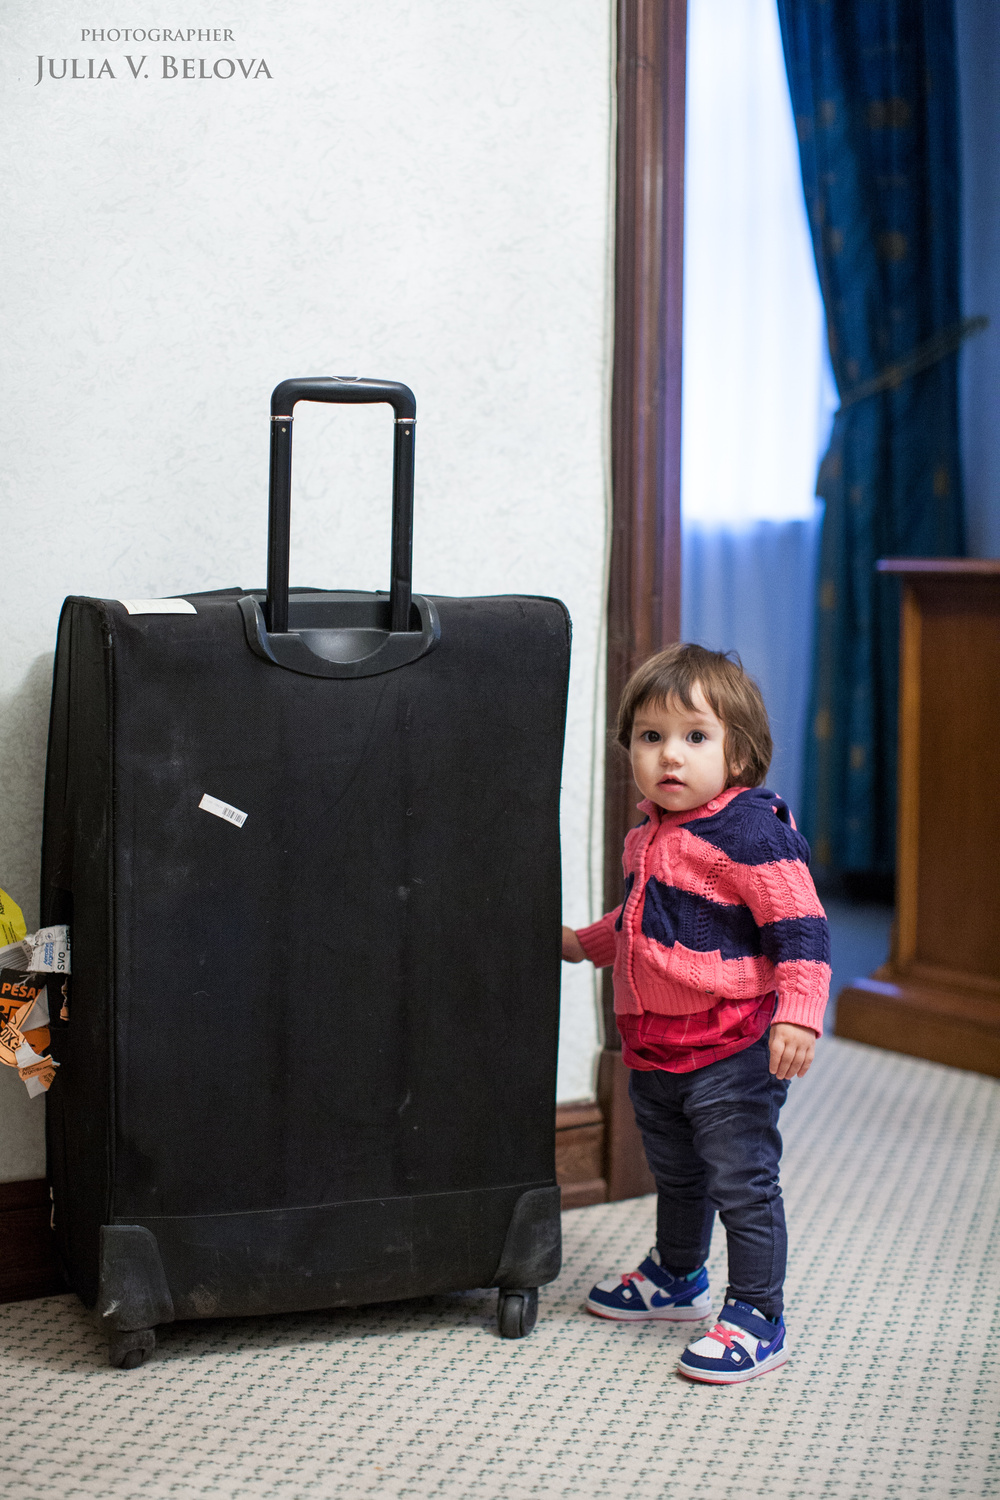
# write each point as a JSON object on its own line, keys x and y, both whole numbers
{"x": 158, "y": 606}
{"x": 50, "y": 951}
{"x": 16, "y": 955}
{"x": 223, "y": 810}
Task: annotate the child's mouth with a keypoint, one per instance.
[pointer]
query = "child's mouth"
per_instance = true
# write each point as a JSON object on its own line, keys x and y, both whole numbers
{"x": 671, "y": 781}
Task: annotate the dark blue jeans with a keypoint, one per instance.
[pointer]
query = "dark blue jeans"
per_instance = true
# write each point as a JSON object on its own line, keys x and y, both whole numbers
{"x": 712, "y": 1143}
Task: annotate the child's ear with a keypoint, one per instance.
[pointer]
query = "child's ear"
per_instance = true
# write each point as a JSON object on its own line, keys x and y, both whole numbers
{"x": 736, "y": 764}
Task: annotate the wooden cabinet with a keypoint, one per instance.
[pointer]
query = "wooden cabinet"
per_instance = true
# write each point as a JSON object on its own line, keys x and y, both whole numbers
{"x": 938, "y": 996}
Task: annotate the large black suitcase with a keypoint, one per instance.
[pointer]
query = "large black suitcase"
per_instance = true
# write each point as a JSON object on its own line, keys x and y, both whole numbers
{"x": 310, "y": 1052}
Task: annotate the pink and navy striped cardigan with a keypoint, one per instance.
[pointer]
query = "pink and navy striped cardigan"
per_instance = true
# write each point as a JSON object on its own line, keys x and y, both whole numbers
{"x": 719, "y": 906}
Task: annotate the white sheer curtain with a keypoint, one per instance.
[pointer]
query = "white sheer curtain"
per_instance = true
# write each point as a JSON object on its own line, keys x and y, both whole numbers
{"x": 758, "y": 393}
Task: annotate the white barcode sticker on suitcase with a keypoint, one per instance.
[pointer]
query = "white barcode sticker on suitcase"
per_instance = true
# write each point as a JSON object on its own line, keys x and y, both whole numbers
{"x": 159, "y": 606}
{"x": 50, "y": 951}
{"x": 223, "y": 810}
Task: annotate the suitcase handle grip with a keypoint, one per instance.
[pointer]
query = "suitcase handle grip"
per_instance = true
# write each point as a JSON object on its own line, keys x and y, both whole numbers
{"x": 343, "y": 390}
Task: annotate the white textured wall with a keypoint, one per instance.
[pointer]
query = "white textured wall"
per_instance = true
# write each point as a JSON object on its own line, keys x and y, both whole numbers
{"x": 421, "y": 192}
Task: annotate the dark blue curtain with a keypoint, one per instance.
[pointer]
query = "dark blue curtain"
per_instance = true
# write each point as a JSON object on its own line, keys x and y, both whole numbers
{"x": 873, "y": 86}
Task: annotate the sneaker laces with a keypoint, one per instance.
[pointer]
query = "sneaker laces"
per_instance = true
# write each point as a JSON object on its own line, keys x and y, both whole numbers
{"x": 725, "y": 1333}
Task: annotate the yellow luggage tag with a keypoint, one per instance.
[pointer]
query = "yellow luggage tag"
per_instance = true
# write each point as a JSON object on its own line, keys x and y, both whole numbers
{"x": 13, "y": 928}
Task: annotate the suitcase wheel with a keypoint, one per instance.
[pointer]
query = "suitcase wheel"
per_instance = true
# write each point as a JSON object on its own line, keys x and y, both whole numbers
{"x": 126, "y": 1351}
{"x": 517, "y": 1312}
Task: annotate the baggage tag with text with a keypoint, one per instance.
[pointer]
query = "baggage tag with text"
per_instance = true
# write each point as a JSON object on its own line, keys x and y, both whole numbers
{"x": 24, "y": 1031}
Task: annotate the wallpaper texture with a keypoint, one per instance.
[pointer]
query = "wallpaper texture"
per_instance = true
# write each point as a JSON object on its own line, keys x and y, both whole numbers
{"x": 417, "y": 191}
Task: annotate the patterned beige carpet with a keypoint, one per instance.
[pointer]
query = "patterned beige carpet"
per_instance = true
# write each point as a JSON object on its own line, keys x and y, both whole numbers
{"x": 892, "y": 1177}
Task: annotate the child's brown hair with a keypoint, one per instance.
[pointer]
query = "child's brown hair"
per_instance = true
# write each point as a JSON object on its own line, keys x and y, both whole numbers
{"x": 734, "y": 697}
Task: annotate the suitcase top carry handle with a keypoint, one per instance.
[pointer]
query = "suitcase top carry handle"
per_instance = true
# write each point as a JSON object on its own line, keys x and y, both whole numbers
{"x": 344, "y": 390}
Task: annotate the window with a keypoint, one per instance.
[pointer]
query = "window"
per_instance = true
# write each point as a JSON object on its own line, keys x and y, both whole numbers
{"x": 758, "y": 393}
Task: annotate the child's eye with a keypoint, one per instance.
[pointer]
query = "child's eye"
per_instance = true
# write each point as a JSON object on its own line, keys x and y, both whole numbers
{"x": 651, "y": 736}
{"x": 696, "y": 736}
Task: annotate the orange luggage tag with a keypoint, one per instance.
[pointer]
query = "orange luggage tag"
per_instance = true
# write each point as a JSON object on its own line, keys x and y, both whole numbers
{"x": 24, "y": 1012}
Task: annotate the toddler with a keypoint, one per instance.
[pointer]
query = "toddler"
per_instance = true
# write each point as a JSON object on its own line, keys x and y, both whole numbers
{"x": 721, "y": 971}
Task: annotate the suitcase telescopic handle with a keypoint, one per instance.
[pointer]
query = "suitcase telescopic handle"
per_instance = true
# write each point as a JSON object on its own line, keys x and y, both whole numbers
{"x": 344, "y": 391}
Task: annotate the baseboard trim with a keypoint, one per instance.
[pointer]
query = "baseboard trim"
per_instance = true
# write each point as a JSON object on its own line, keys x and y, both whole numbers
{"x": 580, "y": 1154}
{"x": 951, "y": 1026}
{"x": 585, "y": 1194}
{"x": 29, "y": 1265}
{"x": 626, "y": 1169}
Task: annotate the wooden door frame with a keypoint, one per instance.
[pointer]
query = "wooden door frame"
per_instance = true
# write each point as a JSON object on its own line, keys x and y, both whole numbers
{"x": 645, "y": 576}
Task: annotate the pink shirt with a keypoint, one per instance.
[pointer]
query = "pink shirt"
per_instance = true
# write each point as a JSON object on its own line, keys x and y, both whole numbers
{"x": 679, "y": 1044}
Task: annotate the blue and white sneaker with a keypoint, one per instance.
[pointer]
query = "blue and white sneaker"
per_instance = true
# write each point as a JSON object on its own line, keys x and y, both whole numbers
{"x": 742, "y": 1344}
{"x": 651, "y": 1292}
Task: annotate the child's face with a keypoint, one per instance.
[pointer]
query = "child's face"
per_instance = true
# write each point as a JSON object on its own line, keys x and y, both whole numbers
{"x": 679, "y": 754}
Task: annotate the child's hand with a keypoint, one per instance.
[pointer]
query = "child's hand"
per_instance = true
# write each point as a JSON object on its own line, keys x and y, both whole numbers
{"x": 571, "y": 948}
{"x": 792, "y": 1049}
